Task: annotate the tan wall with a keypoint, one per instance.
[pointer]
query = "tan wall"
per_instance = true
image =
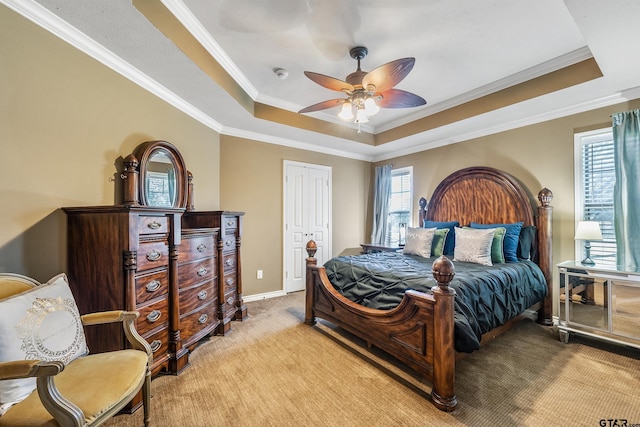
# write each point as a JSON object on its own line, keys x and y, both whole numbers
{"x": 252, "y": 181}
{"x": 65, "y": 120}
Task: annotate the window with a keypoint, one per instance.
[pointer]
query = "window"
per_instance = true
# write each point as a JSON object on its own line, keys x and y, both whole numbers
{"x": 400, "y": 203}
{"x": 595, "y": 178}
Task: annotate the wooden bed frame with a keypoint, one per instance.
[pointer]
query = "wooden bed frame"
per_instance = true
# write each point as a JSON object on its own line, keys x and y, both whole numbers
{"x": 420, "y": 330}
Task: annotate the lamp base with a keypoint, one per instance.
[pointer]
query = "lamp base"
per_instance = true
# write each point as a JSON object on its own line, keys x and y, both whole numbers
{"x": 587, "y": 261}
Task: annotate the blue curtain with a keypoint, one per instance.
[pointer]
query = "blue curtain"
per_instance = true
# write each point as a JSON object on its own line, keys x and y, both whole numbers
{"x": 626, "y": 192}
{"x": 381, "y": 204}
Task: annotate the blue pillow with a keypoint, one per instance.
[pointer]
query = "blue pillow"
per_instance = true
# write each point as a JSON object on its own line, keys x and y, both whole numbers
{"x": 450, "y": 242}
{"x": 511, "y": 238}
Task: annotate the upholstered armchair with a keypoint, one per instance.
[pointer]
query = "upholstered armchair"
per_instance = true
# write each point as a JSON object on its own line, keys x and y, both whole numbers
{"x": 57, "y": 382}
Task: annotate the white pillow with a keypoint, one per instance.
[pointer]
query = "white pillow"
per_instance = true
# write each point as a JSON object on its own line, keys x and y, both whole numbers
{"x": 419, "y": 241}
{"x": 473, "y": 245}
{"x": 40, "y": 324}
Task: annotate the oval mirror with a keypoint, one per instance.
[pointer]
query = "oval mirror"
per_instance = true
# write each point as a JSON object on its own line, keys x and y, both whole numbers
{"x": 163, "y": 175}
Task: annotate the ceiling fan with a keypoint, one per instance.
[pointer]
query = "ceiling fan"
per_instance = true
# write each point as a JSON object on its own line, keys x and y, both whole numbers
{"x": 367, "y": 92}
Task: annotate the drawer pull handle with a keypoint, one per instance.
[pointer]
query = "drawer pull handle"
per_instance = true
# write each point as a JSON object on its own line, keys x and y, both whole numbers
{"x": 202, "y": 271}
{"x": 229, "y": 262}
{"x": 231, "y": 223}
{"x": 153, "y": 286}
{"x": 155, "y": 345}
{"x": 154, "y": 255}
{"x": 229, "y": 281}
{"x": 202, "y": 295}
{"x": 154, "y": 316}
{"x": 228, "y": 242}
{"x": 203, "y": 318}
{"x": 230, "y": 301}
{"x": 201, "y": 247}
{"x": 154, "y": 225}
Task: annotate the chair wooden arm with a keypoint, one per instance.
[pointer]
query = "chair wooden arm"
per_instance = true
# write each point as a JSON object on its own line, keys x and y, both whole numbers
{"x": 128, "y": 323}
{"x": 28, "y": 368}
{"x": 65, "y": 412}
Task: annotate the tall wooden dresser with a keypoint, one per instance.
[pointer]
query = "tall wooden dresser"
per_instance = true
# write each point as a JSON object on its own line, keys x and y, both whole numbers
{"x": 138, "y": 258}
{"x": 230, "y": 303}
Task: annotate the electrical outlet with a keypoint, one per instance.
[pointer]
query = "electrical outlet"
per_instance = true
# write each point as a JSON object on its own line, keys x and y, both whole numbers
{"x": 259, "y": 275}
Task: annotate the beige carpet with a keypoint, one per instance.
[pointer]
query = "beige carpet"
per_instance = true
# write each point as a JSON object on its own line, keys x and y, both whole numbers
{"x": 272, "y": 370}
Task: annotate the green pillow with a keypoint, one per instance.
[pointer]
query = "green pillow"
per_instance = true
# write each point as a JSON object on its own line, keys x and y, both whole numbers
{"x": 437, "y": 246}
{"x": 497, "y": 245}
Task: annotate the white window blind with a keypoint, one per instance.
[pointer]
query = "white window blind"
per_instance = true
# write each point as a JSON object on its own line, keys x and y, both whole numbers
{"x": 400, "y": 202}
{"x": 594, "y": 191}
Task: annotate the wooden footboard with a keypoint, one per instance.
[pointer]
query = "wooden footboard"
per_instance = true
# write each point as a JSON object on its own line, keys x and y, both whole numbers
{"x": 418, "y": 332}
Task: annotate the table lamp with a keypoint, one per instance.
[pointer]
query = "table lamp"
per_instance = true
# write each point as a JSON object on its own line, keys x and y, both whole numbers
{"x": 587, "y": 231}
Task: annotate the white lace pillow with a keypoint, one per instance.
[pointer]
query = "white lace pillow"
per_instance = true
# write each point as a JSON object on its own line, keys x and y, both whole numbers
{"x": 40, "y": 324}
{"x": 473, "y": 245}
{"x": 419, "y": 241}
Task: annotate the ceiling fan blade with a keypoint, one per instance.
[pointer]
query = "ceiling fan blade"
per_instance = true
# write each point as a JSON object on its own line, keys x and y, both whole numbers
{"x": 388, "y": 75}
{"x": 329, "y": 82}
{"x": 322, "y": 105}
{"x": 396, "y": 98}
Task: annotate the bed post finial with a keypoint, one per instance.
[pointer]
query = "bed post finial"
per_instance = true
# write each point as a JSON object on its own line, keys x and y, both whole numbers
{"x": 422, "y": 212}
{"x": 311, "y": 248}
{"x": 545, "y": 196}
{"x": 443, "y": 271}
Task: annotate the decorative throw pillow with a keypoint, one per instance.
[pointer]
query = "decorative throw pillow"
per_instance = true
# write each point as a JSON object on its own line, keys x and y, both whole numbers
{"x": 473, "y": 245}
{"x": 451, "y": 236}
{"x": 510, "y": 238}
{"x": 526, "y": 242}
{"x": 40, "y": 324}
{"x": 439, "y": 238}
{"x": 497, "y": 246}
{"x": 419, "y": 241}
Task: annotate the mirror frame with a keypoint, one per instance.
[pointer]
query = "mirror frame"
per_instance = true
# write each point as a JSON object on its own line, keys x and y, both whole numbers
{"x": 143, "y": 154}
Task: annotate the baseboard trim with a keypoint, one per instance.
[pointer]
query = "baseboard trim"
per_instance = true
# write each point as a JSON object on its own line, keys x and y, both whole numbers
{"x": 266, "y": 295}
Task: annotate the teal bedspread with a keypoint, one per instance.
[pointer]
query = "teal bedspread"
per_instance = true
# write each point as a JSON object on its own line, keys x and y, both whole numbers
{"x": 486, "y": 296}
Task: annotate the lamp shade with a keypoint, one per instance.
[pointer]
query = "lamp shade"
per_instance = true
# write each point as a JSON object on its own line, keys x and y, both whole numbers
{"x": 588, "y": 230}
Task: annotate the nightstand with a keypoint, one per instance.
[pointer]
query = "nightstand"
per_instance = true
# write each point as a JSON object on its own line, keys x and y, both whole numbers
{"x": 600, "y": 302}
{"x": 370, "y": 249}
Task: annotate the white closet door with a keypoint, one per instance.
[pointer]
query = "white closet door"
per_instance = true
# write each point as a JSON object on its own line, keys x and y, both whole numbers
{"x": 307, "y": 217}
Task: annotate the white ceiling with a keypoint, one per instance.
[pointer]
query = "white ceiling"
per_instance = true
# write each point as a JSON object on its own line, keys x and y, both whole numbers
{"x": 464, "y": 49}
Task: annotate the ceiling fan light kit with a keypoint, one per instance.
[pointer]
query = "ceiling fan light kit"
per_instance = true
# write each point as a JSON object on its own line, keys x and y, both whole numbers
{"x": 367, "y": 92}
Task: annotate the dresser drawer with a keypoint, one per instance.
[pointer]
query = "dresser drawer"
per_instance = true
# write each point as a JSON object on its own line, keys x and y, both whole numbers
{"x": 229, "y": 282}
{"x": 159, "y": 342}
{"x": 198, "y": 323}
{"x": 151, "y": 286}
{"x": 196, "y": 272}
{"x": 230, "y": 223}
{"x": 228, "y": 242}
{"x": 192, "y": 298}
{"x": 193, "y": 248}
{"x": 152, "y": 316}
{"x": 229, "y": 261}
{"x": 153, "y": 224}
{"x": 230, "y": 303}
{"x": 152, "y": 254}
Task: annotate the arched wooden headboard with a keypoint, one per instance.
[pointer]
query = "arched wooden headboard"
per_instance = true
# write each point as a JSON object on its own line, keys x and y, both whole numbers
{"x": 480, "y": 194}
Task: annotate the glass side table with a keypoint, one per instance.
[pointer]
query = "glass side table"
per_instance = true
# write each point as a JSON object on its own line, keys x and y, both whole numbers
{"x": 600, "y": 302}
